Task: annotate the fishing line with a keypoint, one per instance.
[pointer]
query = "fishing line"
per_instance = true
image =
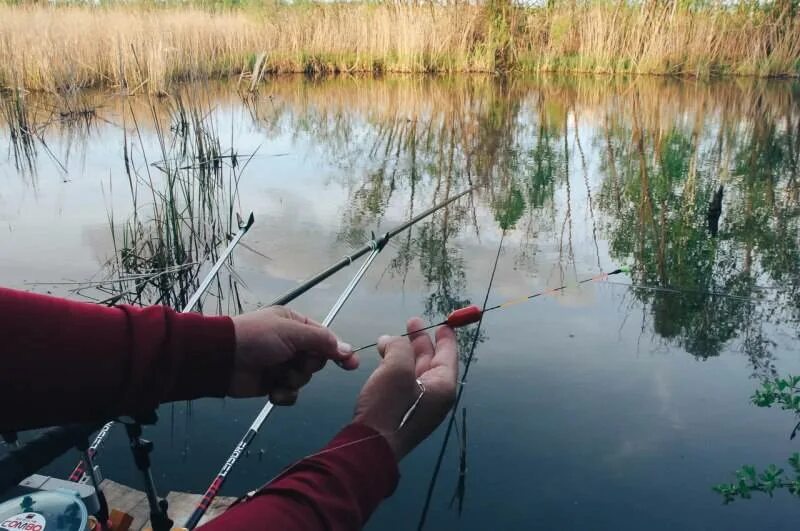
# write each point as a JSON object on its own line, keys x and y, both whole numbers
{"x": 681, "y": 291}
{"x": 294, "y": 465}
{"x": 473, "y": 313}
{"x": 374, "y": 247}
{"x": 454, "y": 410}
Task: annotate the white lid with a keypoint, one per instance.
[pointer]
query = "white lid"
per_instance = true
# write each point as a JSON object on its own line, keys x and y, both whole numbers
{"x": 40, "y": 511}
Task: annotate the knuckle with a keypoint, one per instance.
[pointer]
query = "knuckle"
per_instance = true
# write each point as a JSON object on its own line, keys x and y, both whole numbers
{"x": 328, "y": 341}
{"x": 399, "y": 342}
{"x": 280, "y": 311}
{"x": 414, "y": 322}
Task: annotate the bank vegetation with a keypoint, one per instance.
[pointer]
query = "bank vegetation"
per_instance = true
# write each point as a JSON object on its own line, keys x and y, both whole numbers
{"x": 143, "y": 46}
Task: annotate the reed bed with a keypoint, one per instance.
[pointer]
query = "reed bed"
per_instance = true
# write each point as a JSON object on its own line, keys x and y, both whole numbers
{"x": 142, "y": 47}
{"x": 16, "y": 116}
{"x": 184, "y": 208}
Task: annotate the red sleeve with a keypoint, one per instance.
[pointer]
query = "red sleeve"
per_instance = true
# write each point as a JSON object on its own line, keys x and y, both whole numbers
{"x": 64, "y": 361}
{"x": 336, "y": 489}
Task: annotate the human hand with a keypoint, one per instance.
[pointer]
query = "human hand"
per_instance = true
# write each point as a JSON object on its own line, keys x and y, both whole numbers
{"x": 392, "y": 388}
{"x": 277, "y": 352}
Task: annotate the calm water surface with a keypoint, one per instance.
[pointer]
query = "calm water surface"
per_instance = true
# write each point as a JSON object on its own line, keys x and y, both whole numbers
{"x": 600, "y": 407}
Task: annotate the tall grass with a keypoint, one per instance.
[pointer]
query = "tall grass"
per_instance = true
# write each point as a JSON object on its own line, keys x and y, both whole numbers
{"x": 16, "y": 116}
{"x": 183, "y": 207}
{"x": 142, "y": 47}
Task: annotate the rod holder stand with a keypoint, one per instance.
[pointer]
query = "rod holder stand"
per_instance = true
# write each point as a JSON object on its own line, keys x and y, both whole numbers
{"x": 141, "y": 449}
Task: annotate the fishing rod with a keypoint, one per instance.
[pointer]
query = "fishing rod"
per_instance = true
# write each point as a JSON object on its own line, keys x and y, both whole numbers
{"x": 347, "y": 260}
{"x": 374, "y": 247}
{"x": 79, "y": 471}
{"x": 474, "y": 313}
{"x": 681, "y": 291}
{"x": 251, "y": 433}
{"x": 40, "y": 451}
{"x": 471, "y": 314}
{"x": 467, "y": 364}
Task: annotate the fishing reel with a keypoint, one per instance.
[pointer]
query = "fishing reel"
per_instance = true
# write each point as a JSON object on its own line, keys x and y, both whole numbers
{"x": 46, "y": 502}
{"x": 40, "y": 501}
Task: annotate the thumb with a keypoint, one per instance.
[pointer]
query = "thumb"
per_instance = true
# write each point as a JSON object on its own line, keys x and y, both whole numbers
{"x": 300, "y": 337}
{"x": 397, "y": 352}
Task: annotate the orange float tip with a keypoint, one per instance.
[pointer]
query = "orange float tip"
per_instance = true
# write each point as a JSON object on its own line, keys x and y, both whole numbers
{"x": 464, "y": 316}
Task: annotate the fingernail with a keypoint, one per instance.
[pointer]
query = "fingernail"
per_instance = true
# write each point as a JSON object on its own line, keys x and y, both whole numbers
{"x": 383, "y": 340}
{"x": 346, "y": 349}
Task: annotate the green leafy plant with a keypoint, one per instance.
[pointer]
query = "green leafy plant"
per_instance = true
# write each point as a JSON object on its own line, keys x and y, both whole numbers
{"x": 748, "y": 480}
{"x": 783, "y": 392}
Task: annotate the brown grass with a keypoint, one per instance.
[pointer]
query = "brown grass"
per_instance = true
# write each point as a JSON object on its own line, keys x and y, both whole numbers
{"x": 148, "y": 48}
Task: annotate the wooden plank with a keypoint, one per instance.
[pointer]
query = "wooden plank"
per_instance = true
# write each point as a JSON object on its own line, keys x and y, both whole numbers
{"x": 181, "y": 504}
{"x": 128, "y": 500}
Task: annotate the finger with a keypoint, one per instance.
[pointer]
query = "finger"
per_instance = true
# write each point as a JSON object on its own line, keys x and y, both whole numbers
{"x": 313, "y": 364}
{"x": 344, "y": 349}
{"x": 294, "y": 379}
{"x": 288, "y": 313}
{"x": 313, "y": 340}
{"x": 283, "y": 397}
{"x": 446, "y": 355}
{"x": 396, "y": 352}
{"x": 350, "y": 363}
{"x": 382, "y": 343}
{"x": 421, "y": 343}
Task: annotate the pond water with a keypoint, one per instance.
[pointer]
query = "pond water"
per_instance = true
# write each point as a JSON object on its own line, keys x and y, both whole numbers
{"x": 597, "y": 407}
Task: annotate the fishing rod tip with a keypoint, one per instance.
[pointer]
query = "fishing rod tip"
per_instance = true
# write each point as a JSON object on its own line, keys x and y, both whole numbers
{"x": 250, "y": 220}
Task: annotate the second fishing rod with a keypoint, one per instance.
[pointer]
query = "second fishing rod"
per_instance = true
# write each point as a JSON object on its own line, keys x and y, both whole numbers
{"x": 373, "y": 247}
{"x": 244, "y": 226}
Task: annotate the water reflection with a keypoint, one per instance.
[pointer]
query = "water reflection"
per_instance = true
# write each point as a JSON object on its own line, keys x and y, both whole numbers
{"x": 660, "y": 155}
{"x": 695, "y": 186}
{"x": 664, "y": 188}
{"x": 666, "y": 152}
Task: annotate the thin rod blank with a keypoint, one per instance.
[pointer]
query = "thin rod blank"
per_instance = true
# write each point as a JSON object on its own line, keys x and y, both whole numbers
{"x": 350, "y": 287}
{"x": 218, "y": 264}
{"x": 375, "y": 246}
{"x": 251, "y": 433}
{"x": 77, "y": 473}
{"x": 508, "y": 303}
{"x": 349, "y": 259}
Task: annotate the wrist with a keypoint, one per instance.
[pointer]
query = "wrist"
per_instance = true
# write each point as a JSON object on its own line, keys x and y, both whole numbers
{"x": 396, "y": 444}
{"x": 392, "y": 437}
{"x": 208, "y": 356}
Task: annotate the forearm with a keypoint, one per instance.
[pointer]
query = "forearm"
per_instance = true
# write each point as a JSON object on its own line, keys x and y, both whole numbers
{"x": 335, "y": 489}
{"x": 65, "y": 361}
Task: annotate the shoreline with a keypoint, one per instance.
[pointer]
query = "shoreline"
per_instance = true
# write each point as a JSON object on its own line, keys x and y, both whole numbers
{"x": 144, "y": 47}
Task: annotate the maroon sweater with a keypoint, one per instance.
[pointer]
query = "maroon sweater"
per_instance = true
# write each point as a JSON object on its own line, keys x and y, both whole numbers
{"x": 66, "y": 361}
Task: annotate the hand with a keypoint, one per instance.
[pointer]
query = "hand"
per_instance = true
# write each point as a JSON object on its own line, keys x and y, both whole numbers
{"x": 392, "y": 388}
{"x": 277, "y": 352}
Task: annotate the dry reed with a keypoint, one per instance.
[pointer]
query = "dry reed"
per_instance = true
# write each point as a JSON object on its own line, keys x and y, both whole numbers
{"x": 143, "y": 47}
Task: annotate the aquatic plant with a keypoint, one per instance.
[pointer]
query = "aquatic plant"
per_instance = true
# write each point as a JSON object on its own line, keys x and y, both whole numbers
{"x": 16, "y": 115}
{"x": 183, "y": 209}
{"x": 783, "y": 392}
